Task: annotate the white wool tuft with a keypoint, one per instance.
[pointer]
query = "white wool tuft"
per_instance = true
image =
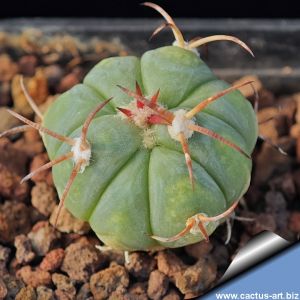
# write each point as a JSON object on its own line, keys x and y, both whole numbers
{"x": 180, "y": 125}
{"x": 141, "y": 116}
{"x": 81, "y": 155}
{"x": 148, "y": 138}
{"x": 186, "y": 46}
{"x": 195, "y": 229}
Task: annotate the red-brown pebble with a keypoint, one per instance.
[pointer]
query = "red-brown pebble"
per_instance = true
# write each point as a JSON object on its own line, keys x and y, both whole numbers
{"x": 10, "y": 186}
{"x": 8, "y": 68}
{"x": 261, "y": 222}
{"x": 3, "y": 289}
{"x": 24, "y": 253}
{"x": 81, "y": 260}
{"x": 84, "y": 292}
{"x": 4, "y": 257}
{"x": 26, "y": 293}
{"x": 43, "y": 198}
{"x": 172, "y": 295}
{"x": 198, "y": 250}
{"x": 13, "y": 285}
{"x": 30, "y": 149}
{"x": 14, "y": 220}
{"x": 294, "y": 222}
{"x": 140, "y": 265}
{"x": 46, "y": 175}
{"x": 67, "y": 223}
{"x": 27, "y": 65}
{"x": 12, "y": 169}
{"x": 65, "y": 289}
{"x": 138, "y": 291}
{"x": 44, "y": 293}
{"x": 169, "y": 264}
{"x": 34, "y": 277}
{"x": 53, "y": 73}
{"x": 5, "y": 95}
{"x": 105, "y": 282}
{"x": 43, "y": 237}
{"x": 7, "y": 120}
{"x": 158, "y": 285}
{"x": 197, "y": 278}
{"x": 69, "y": 80}
{"x": 53, "y": 260}
{"x": 32, "y": 136}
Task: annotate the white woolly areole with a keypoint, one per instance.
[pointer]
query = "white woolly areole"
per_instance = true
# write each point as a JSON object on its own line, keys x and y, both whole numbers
{"x": 139, "y": 115}
{"x": 80, "y": 155}
{"x": 186, "y": 46}
{"x": 195, "y": 229}
{"x": 180, "y": 124}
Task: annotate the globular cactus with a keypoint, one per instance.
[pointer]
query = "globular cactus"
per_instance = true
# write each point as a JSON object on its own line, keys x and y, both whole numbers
{"x": 161, "y": 162}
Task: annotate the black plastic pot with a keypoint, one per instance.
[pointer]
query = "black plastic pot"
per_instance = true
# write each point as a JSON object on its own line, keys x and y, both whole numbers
{"x": 275, "y": 43}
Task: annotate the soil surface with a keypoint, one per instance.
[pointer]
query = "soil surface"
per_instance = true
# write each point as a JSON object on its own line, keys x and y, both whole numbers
{"x": 39, "y": 261}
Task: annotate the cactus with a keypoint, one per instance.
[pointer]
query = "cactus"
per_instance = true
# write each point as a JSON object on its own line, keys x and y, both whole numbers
{"x": 153, "y": 151}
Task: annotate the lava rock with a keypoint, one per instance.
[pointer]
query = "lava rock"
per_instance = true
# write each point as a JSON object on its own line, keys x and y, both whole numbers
{"x": 28, "y": 64}
{"x": 138, "y": 291}
{"x": 3, "y": 289}
{"x": 5, "y": 96}
{"x": 107, "y": 281}
{"x": 65, "y": 287}
{"x": 248, "y": 90}
{"x": 8, "y": 68}
{"x": 172, "y": 295}
{"x": 140, "y": 265}
{"x": 66, "y": 222}
{"x": 169, "y": 264}
{"x": 24, "y": 253}
{"x": 81, "y": 260}
{"x": 84, "y": 292}
{"x": 7, "y": 120}
{"x": 68, "y": 81}
{"x": 10, "y": 186}
{"x": 43, "y": 198}
{"x": 158, "y": 285}
{"x": 44, "y": 176}
{"x": 276, "y": 206}
{"x": 294, "y": 222}
{"x": 199, "y": 250}
{"x": 270, "y": 161}
{"x": 268, "y": 123}
{"x": 261, "y": 222}
{"x": 16, "y": 222}
{"x": 12, "y": 169}
{"x": 221, "y": 255}
{"x": 44, "y": 293}
{"x": 37, "y": 87}
{"x": 44, "y": 238}
{"x": 34, "y": 277}
{"x": 54, "y": 74}
{"x": 4, "y": 257}
{"x": 26, "y": 293}
{"x": 285, "y": 184}
{"x": 13, "y": 286}
{"x": 30, "y": 149}
{"x": 197, "y": 278}
{"x": 53, "y": 260}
